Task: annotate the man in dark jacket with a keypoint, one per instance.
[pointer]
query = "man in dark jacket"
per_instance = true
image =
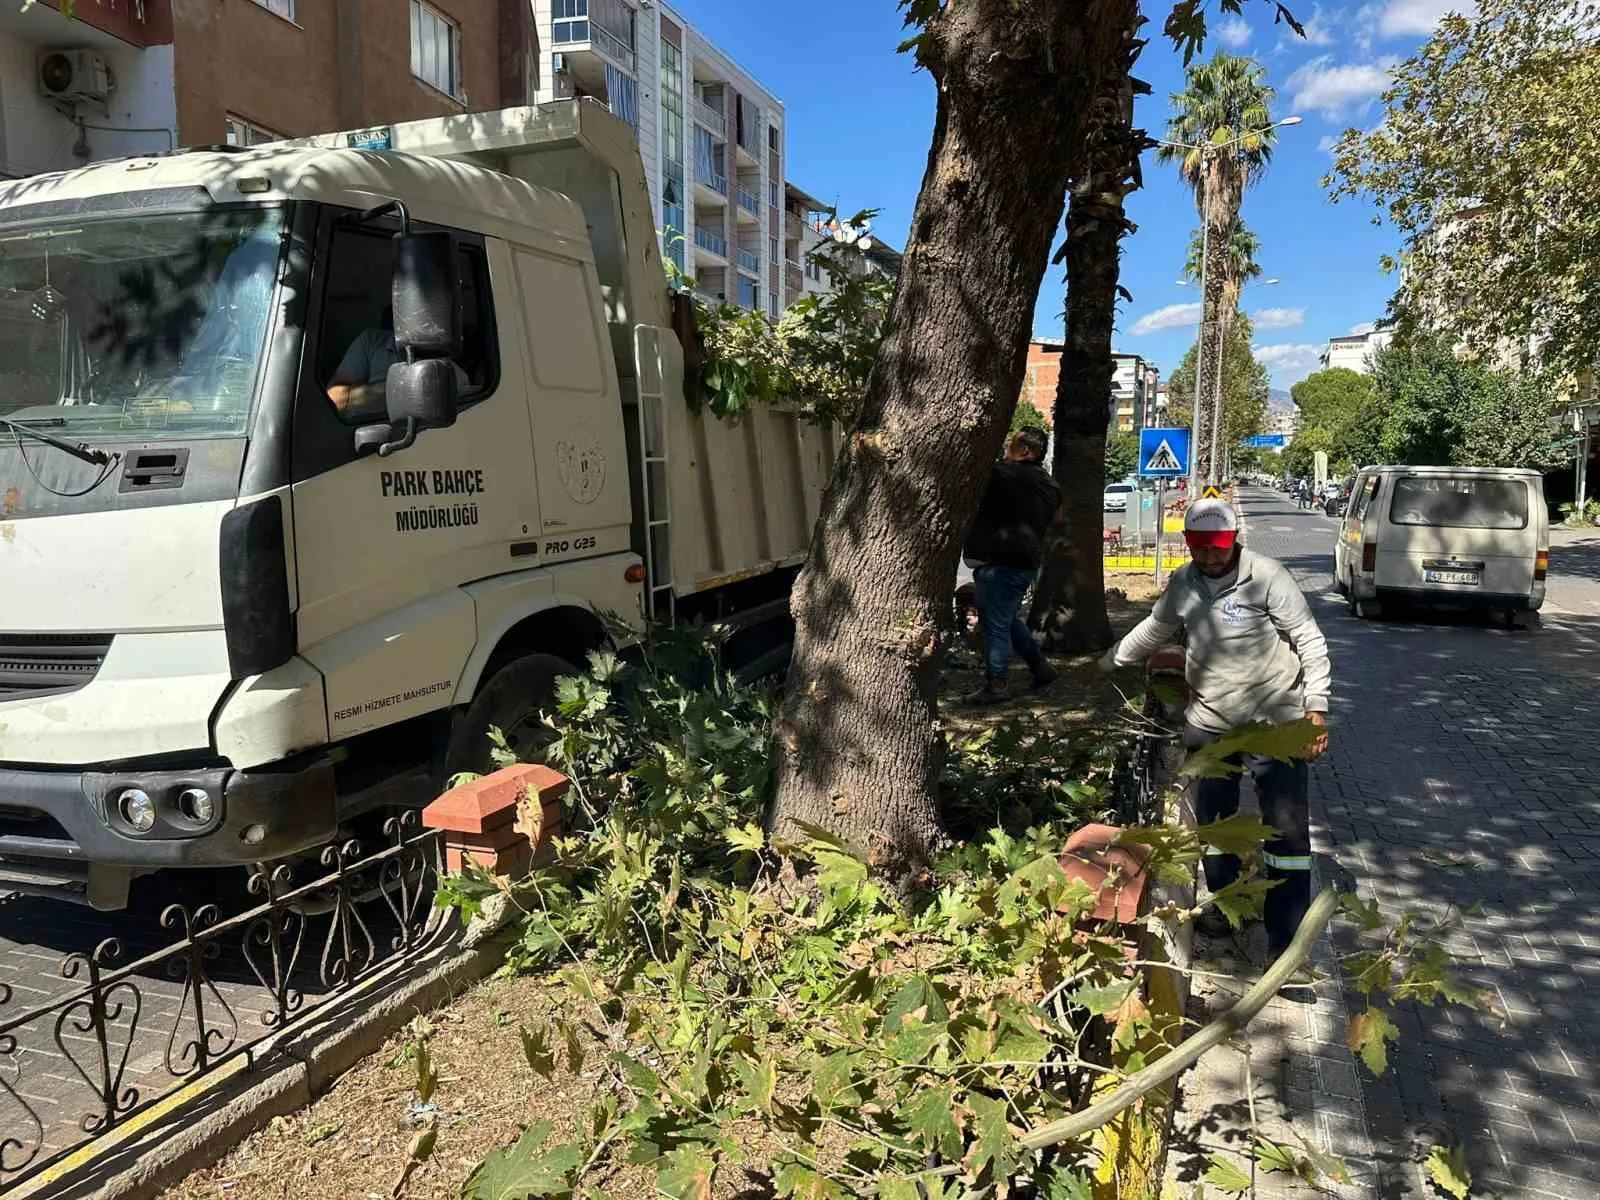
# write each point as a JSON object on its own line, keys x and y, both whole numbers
{"x": 1004, "y": 550}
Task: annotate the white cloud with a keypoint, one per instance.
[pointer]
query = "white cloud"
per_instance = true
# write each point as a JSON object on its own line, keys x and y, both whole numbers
{"x": 1408, "y": 18}
{"x": 1363, "y": 328}
{"x": 1278, "y": 318}
{"x": 1289, "y": 364}
{"x": 1234, "y": 33}
{"x": 1333, "y": 89}
{"x": 1319, "y": 30}
{"x": 1326, "y": 143}
{"x": 1173, "y": 316}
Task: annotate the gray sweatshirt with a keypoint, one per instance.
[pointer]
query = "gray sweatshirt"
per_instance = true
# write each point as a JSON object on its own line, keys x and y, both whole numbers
{"x": 1254, "y": 653}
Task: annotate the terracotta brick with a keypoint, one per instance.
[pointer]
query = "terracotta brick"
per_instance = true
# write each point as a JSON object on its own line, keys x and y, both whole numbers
{"x": 1115, "y": 873}
{"x": 492, "y": 801}
{"x": 513, "y": 860}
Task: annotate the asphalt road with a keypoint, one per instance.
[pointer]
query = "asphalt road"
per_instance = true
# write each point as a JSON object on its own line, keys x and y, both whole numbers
{"x": 1462, "y": 776}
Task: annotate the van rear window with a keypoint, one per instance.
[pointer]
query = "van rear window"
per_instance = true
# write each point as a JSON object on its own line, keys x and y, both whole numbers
{"x": 1460, "y": 502}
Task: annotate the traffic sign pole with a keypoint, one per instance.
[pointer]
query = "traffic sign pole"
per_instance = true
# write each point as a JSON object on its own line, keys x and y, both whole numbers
{"x": 1161, "y": 523}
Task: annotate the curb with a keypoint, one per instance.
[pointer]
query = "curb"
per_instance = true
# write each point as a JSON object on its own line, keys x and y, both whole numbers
{"x": 197, "y": 1125}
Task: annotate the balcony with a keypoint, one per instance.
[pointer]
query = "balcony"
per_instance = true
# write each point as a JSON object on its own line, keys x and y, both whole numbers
{"x": 714, "y": 119}
{"x": 586, "y": 45}
{"x": 711, "y": 186}
{"x": 749, "y": 261}
{"x": 714, "y": 244}
{"x": 749, "y": 203}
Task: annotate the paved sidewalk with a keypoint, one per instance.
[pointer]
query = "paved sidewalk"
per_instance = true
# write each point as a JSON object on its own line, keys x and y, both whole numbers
{"x": 1462, "y": 773}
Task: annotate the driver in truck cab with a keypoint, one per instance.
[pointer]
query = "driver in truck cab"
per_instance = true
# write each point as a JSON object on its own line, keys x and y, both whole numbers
{"x": 358, "y": 384}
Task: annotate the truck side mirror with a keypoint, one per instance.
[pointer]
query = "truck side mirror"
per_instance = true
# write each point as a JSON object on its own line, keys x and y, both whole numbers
{"x": 427, "y": 295}
{"x": 419, "y": 395}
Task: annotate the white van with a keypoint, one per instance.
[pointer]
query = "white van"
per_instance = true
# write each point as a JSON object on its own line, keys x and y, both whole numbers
{"x": 1468, "y": 537}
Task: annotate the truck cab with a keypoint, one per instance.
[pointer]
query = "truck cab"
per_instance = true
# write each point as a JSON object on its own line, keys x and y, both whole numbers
{"x": 316, "y": 461}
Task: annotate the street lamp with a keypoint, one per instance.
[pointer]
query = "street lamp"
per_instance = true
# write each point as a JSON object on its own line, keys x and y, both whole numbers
{"x": 1206, "y": 149}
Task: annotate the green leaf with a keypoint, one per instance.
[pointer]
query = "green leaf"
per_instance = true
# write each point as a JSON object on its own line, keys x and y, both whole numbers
{"x": 1282, "y": 742}
{"x": 898, "y": 1187}
{"x": 931, "y": 1118}
{"x": 1101, "y": 1000}
{"x": 1243, "y": 900}
{"x": 801, "y": 1182}
{"x": 993, "y": 1153}
{"x": 574, "y": 1044}
{"x": 746, "y": 838}
{"x": 537, "y": 1050}
{"x": 759, "y": 1080}
{"x": 1042, "y": 880}
{"x": 833, "y": 1081}
{"x": 687, "y": 1173}
{"x": 1447, "y": 1167}
{"x": 917, "y": 994}
{"x": 1276, "y": 1157}
{"x": 1369, "y": 1035}
{"x": 1240, "y": 834}
{"x": 525, "y": 1171}
{"x": 1226, "y": 1175}
{"x": 427, "y": 1077}
{"x": 839, "y": 871}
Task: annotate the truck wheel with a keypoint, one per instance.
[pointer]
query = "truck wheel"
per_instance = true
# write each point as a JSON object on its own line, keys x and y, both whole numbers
{"x": 511, "y": 702}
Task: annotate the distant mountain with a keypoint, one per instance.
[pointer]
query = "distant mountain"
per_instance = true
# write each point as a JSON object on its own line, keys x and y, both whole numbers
{"x": 1278, "y": 398}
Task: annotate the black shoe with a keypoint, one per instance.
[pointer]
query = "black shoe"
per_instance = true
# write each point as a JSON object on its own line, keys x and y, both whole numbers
{"x": 988, "y": 694}
{"x": 1043, "y": 678}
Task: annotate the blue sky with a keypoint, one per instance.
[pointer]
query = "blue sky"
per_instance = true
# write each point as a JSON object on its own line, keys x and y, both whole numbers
{"x": 860, "y": 118}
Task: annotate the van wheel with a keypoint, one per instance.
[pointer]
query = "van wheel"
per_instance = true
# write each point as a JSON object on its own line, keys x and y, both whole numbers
{"x": 1367, "y": 610}
{"x": 1339, "y": 584}
{"x": 511, "y": 702}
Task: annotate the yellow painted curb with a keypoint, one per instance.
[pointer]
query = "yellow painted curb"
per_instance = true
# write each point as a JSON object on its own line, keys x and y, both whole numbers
{"x": 130, "y": 1129}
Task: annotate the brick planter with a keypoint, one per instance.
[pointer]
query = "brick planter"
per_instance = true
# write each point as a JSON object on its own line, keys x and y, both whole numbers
{"x": 499, "y": 822}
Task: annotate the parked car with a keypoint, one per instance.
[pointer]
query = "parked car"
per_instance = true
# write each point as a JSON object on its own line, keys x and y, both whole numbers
{"x": 1472, "y": 537}
{"x": 1117, "y": 496}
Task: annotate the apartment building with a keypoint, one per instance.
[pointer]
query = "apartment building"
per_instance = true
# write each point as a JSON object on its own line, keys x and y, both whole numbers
{"x": 1136, "y": 396}
{"x": 712, "y": 138}
{"x": 1355, "y": 351}
{"x": 125, "y": 77}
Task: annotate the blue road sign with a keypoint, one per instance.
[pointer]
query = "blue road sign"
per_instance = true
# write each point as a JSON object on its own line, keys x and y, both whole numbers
{"x": 1267, "y": 441}
{"x": 1164, "y": 453}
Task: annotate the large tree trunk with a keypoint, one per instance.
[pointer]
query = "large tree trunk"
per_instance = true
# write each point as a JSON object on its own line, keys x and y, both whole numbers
{"x": 859, "y": 741}
{"x": 1070, "y": 602}
{"x": 1220, "y": 200}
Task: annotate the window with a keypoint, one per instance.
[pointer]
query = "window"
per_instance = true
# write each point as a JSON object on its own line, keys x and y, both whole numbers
{"x": 357, "y": 343}
{"x": 772, "y": 304}
{"x": 749, "y": 294}
{"x": 284, "y": 8}
{"x": 243, "y": 133}
{"x": 1366, "y": 490}
{"x": 571, "y": 21}
{"x": 772, "y": 193}
{"x": 1460, "y": 502}
{"x": 772, "y": 249}
{"x": 772, "y": 137}
{"x": 435, "y": 49}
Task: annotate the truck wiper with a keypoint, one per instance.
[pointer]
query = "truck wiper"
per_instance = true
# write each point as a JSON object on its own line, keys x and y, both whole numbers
{"x": 79, "y": 450}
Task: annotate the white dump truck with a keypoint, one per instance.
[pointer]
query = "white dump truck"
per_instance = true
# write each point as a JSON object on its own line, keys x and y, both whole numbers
{"x": 317, "y": 460}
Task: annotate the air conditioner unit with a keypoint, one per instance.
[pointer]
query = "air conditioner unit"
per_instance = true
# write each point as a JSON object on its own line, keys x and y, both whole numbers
{"x": 558, "y": 63}
{"x": 74, "y": 76}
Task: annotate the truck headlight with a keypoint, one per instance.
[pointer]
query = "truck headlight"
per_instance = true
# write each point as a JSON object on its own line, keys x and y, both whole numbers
{"x": 196, "y": 804}
{"x": 137, "y": 809}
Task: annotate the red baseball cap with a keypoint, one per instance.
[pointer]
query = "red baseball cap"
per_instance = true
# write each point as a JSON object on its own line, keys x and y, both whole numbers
{"x": 1211, "y": 523}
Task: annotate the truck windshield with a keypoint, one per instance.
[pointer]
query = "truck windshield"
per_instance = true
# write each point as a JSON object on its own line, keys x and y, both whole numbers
{"x": 124, "y": 326}
{"x": 1460, "y": 502}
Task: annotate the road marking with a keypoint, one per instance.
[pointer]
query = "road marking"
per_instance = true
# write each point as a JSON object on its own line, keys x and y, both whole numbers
{"x": 1284, "y": 529}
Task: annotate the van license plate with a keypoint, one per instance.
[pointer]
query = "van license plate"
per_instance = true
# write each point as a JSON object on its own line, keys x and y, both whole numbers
{"x": 1471, "y": 578}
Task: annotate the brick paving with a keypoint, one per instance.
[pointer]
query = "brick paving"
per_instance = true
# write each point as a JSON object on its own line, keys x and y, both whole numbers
{"x": 1461, "y": 772}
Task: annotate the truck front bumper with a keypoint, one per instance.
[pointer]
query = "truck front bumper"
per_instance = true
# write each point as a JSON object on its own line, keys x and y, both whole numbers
{"x": 79, "y": 817}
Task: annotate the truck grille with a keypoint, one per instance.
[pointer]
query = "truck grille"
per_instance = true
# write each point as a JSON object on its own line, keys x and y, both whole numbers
{"x": 44, "y": 664}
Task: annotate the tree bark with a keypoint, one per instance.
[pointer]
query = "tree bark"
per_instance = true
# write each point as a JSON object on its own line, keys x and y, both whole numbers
{"x": 1070, "y": 601}
{"x": 858, "y": 735}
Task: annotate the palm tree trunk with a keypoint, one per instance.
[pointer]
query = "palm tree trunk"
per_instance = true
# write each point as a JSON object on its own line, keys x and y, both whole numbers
{"x": 858, "y": 736}
{"x": 1070, "y": 602}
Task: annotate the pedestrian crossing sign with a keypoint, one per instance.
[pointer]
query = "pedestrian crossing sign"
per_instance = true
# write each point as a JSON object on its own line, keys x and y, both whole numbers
{"x": 1164, "y": 453}
{"x": 1212, "y": 492}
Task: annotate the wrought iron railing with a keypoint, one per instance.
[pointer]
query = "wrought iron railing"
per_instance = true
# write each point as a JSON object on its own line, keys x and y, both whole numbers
{"x": 302, "y": 946}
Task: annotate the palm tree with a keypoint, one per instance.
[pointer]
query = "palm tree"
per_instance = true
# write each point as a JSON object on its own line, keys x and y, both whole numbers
{"x": 1220, "y": 134}
{"x": 1239, "y": 256}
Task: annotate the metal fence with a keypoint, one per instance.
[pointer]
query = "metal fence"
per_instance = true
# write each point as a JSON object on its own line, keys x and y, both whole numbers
{"x": 118, "y": 1038}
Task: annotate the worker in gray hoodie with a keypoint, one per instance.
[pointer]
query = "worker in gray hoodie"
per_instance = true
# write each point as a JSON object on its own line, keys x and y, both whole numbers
{"x": 1254, "y": 653}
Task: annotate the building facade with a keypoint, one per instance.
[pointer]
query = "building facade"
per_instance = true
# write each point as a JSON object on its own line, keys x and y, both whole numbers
{"x": 1355, "y": 351}
{"x": 1137, "y": 398}
{"x": 129, "y": 77}
{"x": 711, "y": 137}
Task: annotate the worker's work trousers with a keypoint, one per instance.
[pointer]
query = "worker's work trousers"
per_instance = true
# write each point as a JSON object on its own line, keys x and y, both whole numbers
{"x": 1281, "y": 792}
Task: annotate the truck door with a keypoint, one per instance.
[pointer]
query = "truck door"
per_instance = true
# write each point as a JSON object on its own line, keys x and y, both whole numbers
{"x": 579, "y": 451}
{"x": 383, "y": 544}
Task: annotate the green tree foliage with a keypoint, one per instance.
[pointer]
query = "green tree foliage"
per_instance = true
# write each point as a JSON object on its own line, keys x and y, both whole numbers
{"x": 1122, "y": 456}
{"x": 1485, "y": 163}
{"x": 1027, "y": 416}
{"x": 1426, "y": 406}
{"x": 1245, "y": 386}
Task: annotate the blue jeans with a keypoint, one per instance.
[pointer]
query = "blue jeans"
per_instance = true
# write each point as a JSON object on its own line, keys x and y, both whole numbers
{"x": 1000, "y": 591}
